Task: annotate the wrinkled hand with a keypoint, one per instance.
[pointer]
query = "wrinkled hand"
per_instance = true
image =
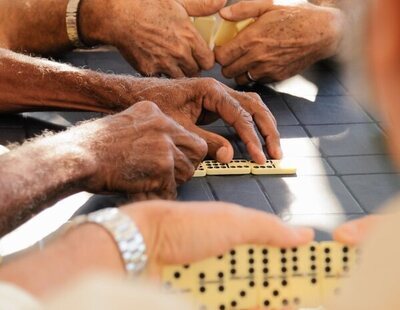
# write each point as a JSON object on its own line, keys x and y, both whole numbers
{"x": 282, "y": 42}
{"x": 139, "y": 151}
{"x": 154, "y": 36}
{"x": 182, "y": 232}
{"x": 200, "y": 100}
{"x": 356, "y": 231}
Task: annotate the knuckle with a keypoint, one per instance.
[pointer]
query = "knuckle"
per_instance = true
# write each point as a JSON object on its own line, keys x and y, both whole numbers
{"x": 220, "y": 55}
{"x": 180, "y": 52}
{"x": 202, "y": 148}
{"x": 246, "y": 117}
{"x": 147, "y": 107}
{"x": 226, "y": 72}
{"x": 210, "y": 82}
{"x": 255, "y": 97}
{"x": 188, "y": 173}
{"x": 165, "y": 166}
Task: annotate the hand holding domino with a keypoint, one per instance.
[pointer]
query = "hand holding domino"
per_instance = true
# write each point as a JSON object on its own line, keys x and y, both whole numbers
{"x": 217, "y": 31}
{"x": 252, "y": 276}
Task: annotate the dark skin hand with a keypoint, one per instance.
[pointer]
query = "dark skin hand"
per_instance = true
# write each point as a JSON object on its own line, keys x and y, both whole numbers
{"x": 24, "y": 87}
{"x": 154, "y": 36}
{"x": 139, "y": 151}
{"x": 282, "y": 42}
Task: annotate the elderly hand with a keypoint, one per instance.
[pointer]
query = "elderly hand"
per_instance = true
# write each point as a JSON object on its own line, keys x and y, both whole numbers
{"x": 191, "y": 101}
{"x": 139, "y": 151}
{"x": 282, "y": 42}
{"x": 154, "y": 36}
{"x": 181, "y": 233}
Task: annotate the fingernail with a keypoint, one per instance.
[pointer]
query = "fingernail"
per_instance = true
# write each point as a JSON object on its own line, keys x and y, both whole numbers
{"x": 222, "y": 154}
{"x": 226, "y": 12}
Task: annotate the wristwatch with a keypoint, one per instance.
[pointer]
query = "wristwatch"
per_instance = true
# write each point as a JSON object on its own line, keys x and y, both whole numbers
{"x": 125, "y": 233}
{"x": 71, "y": 19}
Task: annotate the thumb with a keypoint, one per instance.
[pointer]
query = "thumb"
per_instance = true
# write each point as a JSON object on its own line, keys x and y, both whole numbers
{"x": 202, "y": 7}
{"x": 246, "y": 9}
{"x": 218, "y": 147}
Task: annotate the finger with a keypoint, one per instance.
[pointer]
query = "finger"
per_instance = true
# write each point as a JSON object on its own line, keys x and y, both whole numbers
{"x": 139, "y": 197}
{"x": 189, "y": 65}
{"x": 236, "y": 48}
{"x": 246, "y": 9}
{"x": 189, "y": 143}
{"x": 172, "y": 70}
{"x": 145, "y": 68}
{"x": 184, "y": 168}
{"x": 355, "y": 232}
{"x": 150, "y": 196}
{"x": 165, "y": 194}
{"x": 218, "y": 147}
{"x": 263, "y": 73}
{"x": 203, "y": 55}
{"x": 261, "y": 228}
{"x": 202, "y": 7}
{"x": 264, "y": 120}
{"x": 232, "y": 113}
{"x": 243, "y": 79}
{"x": 241, "y": 66}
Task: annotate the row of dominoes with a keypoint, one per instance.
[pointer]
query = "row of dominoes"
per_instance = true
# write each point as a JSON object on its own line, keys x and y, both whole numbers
{"x": 217, "y": 31}
{"x": 253, "y": 276}
{"x": 242, "y": 166}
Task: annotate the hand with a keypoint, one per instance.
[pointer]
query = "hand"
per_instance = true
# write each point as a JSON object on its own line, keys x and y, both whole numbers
{"x": 356, "y": 231}
{"x": 282, "y": 42}
{"x": 139, "y": 151}
{"x": 182, "y": 233}
{"x": 200, "y": 100}
{"x": 154, "y": 36}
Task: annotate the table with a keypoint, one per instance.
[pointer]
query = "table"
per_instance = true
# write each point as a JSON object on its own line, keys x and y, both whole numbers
{"x": 343, "y": 168}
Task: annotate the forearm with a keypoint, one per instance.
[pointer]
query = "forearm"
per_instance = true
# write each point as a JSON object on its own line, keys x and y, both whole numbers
{"x": 38, "y": 173}
{"x": 39, "y": 26}
{"x": 28, "y": 84}
{"x": 85, "y": 248}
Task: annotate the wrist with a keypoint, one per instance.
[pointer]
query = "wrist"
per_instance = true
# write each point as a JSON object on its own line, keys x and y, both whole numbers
{"x": 69, "y": 159}
{"x": 84, "y": 249}
{"x": 91, "y": 20}
{"x": 337, "y": 24}
{"x": 119, "y": 92}
{"x": 91, "y": 248}
{"x": 148, "y": 217}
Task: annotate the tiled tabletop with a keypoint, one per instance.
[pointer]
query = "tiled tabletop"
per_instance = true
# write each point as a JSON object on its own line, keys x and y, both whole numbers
{"x": 343, "y": 170}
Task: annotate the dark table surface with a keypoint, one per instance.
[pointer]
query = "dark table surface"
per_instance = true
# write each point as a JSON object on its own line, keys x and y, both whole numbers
{"x": 343, "y": 168}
